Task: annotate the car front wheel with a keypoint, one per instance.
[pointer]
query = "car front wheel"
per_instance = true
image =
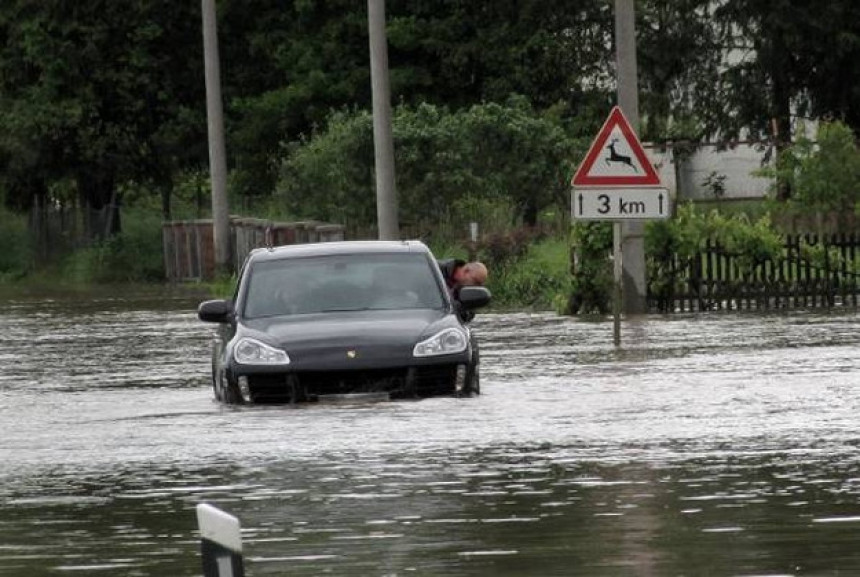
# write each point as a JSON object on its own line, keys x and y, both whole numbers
{"x": 216, "y": 388}
{"x": 227, "y": 390}
{"x": 472, "y": 386}
{"x": 473, "y": 383}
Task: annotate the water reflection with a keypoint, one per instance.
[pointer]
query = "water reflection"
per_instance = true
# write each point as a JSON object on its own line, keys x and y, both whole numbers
{"x": 720, "y": 444}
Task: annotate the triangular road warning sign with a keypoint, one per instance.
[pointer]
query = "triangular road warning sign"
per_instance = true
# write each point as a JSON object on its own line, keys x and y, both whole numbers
{"x": 616, "y": 157}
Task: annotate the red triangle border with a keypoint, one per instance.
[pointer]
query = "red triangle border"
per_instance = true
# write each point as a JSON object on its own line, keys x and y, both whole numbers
{"x": 616, "y": 118}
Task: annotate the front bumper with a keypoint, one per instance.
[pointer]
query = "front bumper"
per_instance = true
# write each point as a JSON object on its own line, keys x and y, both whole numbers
{"x": 309, "y": 386}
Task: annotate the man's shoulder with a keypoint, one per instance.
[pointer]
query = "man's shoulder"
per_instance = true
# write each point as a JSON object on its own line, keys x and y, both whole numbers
{"x": 449, "y": 264}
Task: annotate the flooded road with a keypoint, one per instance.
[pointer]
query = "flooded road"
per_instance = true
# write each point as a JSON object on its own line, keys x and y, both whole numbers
{"x": 721, "y": 444}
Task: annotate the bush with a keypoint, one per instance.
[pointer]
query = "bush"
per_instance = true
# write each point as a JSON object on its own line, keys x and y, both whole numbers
{"x": 16, "y": 256}
{"x": 502, "y": 154}
{"x": 539, "y": 278}
{"x": 134, "y": 255}
{"x": 591, "y": 282}
{"x": 679, "y": 240}
{"x": 824, "y": 175}
{"x": 502, "y": 250}
{"x": 686, "y": 234}
{"x": 666, "y": 243}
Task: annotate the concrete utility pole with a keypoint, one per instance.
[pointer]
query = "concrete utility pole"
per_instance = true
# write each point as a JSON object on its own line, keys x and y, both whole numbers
{"x": 631, "y": 233}
{"x": 383, "y": 140}
{"x": 217, "y": 154}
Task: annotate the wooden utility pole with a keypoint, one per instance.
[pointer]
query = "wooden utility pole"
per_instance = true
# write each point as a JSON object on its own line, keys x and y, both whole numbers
{"x": 629, "y": 235}
{"x": 217, "y": 153}
{"x": 383, "y": 140}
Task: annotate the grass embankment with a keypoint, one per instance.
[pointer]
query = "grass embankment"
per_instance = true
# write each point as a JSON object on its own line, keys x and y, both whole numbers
{"x": 524, "y": 274}
{"x": 533, "y": 276}
{"x": 537, "y": 278}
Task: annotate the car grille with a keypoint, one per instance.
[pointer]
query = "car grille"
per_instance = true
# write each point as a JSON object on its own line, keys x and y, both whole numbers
{"x": 423, "y": 381}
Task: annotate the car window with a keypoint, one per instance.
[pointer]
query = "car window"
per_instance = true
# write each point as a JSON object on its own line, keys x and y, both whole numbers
{"x": 342, "y": 283}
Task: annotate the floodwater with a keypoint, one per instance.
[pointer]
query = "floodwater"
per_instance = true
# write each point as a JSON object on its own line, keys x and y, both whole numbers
{"x": 717, "y": 444}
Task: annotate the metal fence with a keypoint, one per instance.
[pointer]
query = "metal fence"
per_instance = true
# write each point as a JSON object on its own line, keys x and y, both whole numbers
{"x": 814, "y": 271}
{"x": 189, "y": 251}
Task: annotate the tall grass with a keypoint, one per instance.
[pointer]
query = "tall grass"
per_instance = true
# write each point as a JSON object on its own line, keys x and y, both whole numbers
{"x": 16, "y": 246}
{"x": 134, "y": 255}
{"x": 524, "y": 272}
{"x": 539, "y": 280}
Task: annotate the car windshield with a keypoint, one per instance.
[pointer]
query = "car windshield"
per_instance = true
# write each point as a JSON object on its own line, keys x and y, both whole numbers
{"x": 350, "y": 282}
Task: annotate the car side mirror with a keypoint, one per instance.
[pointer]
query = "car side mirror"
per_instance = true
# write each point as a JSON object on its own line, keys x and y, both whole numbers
{"x": 215, "y": 311}
{"x": 474, "y": 297}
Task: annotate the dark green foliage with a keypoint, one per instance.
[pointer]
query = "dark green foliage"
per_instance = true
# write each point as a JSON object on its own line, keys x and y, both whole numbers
{"x": 679, "y": 55}
{"x": 15, "y": 257}
{"x": 791, "y": 57}
{"x": 527, "y": 270}
{"x": 669, "y": 244}
{"x": 134, "y": 255}
{"x": 96, "y": 93}
{"x": 329, "y": 177}
{"x": 499, "y": 153}
{"x": 285, "y": 66}
{"x": 675, "y": 242}
{"x": 823, "y": 174}
{"x": 504, "y": 250}
{"x": 464, "y": 53}
{"x": 100, "y": 98}
{"x": 592, "y": 282}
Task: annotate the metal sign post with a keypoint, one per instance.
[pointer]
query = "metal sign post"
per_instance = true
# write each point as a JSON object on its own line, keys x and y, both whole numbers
{"x": 617, "y": 269}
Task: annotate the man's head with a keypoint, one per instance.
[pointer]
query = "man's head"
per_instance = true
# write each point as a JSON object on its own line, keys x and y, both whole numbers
{"x": 471, "y": 273}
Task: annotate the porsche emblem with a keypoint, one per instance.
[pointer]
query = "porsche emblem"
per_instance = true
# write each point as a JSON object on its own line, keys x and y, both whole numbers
{"x": 351, "y": 354}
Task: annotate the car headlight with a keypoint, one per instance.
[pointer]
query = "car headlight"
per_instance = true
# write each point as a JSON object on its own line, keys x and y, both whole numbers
{"x": 442, "y": 343}
{"x": 252, "y": 352}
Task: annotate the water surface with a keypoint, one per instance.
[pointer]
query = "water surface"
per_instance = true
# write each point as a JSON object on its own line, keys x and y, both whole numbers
{"x": 720, "y": 444}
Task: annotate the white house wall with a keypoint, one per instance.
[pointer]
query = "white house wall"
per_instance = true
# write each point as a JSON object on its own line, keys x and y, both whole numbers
{"x": 686, "y": 178}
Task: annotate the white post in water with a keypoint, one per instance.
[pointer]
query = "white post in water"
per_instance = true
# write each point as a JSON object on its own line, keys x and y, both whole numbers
{"x": 220, "y": 542}
{"x": 473, "y": 240}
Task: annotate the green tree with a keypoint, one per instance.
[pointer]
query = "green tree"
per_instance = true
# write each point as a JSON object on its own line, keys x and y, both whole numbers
{"x": 824, "y": 174}
{"x": 678, "y": 59}
{"x": 287, "y": 66}
{"x": 94, "y": 94}
{"x": 506, "y": 153}
{"x": 784, "y": 58}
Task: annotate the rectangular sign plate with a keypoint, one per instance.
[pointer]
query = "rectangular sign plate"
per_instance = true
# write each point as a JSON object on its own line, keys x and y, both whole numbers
{"x": 620, "y": 203}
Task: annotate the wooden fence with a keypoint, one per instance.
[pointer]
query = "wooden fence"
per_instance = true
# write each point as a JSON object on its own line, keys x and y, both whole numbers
{"x": 815, "y": 271}
{"x": 189, "y": 252}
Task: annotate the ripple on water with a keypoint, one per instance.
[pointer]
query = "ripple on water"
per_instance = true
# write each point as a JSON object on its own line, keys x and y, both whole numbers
{"x": 730, "y": 438}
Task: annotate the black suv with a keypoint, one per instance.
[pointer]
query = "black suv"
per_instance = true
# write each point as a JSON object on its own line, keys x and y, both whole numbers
{"x": 343, "y": 320}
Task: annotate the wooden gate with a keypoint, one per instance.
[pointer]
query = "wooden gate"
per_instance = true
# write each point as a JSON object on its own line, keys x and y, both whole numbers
{"x": 189, "y": 252}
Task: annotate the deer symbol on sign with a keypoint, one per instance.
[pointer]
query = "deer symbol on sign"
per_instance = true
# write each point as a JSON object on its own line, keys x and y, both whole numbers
{"x": 615, "y": 157}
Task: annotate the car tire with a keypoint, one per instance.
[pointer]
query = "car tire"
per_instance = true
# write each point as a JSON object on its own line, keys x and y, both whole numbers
{"x": 473, "y": 386}
{"x": 230, "y": 394}
{"x": 473, "y": 373}
{"x": 215, "y": 388}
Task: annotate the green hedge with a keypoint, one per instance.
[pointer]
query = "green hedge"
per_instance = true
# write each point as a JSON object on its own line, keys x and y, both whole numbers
{"x": 16, "y": 255}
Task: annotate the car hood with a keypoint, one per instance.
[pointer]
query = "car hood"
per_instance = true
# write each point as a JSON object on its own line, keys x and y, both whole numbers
{"x": 328, "y": 340}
